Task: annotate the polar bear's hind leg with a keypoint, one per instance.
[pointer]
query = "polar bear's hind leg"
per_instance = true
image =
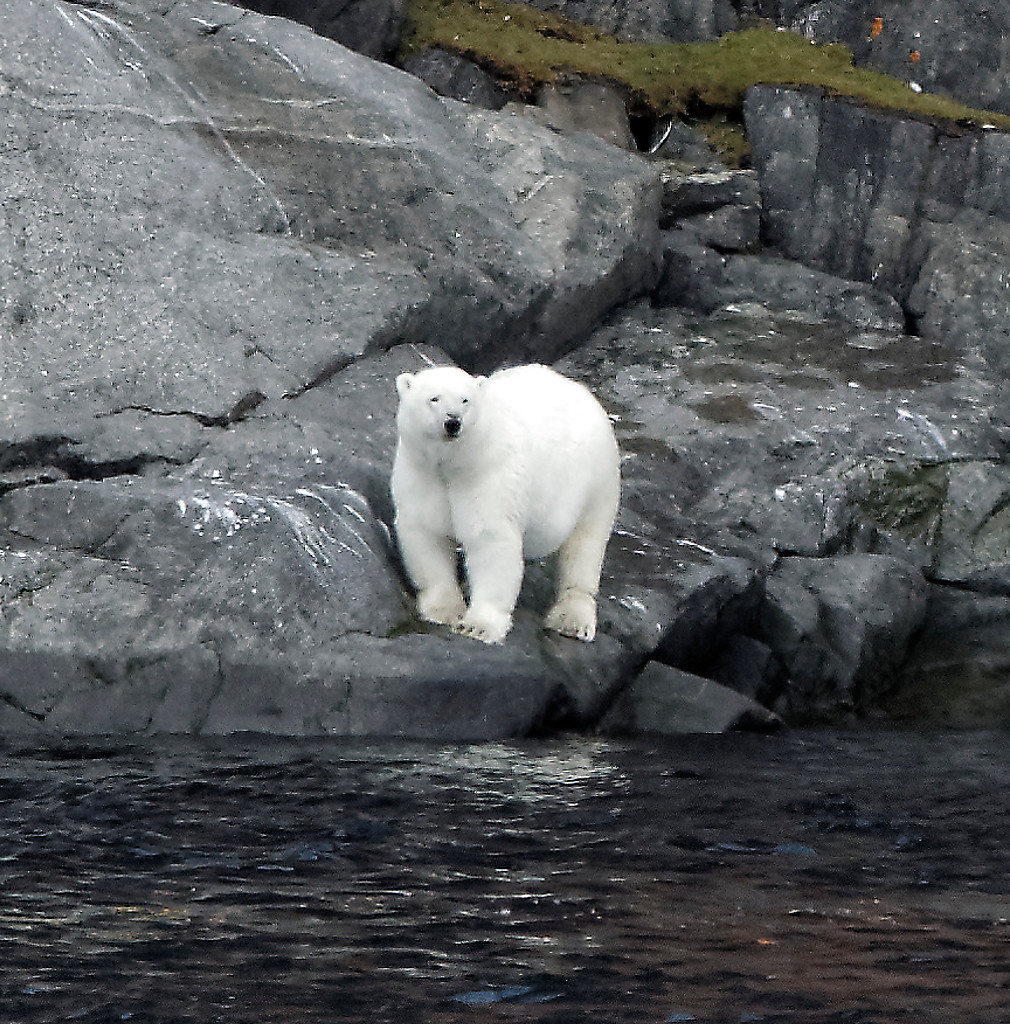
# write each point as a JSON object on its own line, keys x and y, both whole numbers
{"x": 579, "y": 563}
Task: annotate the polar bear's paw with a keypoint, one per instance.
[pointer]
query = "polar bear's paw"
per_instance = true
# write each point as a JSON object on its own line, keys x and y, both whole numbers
{"x": 573, "y": 615}
{"x": 441, "y": 608}
{"x": 487, "y": 624}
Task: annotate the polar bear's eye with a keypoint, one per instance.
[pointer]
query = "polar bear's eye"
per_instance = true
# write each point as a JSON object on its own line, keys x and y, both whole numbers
{"x": 433, "y": 399}
{"x": 465, "y": 400}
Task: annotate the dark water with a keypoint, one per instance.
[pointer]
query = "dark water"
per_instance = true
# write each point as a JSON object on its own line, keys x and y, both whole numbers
{"x": 806, "y": 877}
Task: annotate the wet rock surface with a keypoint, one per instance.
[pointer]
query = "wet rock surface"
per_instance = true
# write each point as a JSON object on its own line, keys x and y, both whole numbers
{"x": 237, "y": 234}
{"x": 808, "y": 877}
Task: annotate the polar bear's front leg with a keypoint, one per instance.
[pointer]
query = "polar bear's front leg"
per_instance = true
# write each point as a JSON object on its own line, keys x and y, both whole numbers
{"x": 494, "y": 569}
{"x": 430, "y": 561}
{"x": 573, "y": 614}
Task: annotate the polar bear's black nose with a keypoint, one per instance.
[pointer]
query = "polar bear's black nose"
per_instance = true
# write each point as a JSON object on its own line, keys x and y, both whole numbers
{"x": 453, "y": 425}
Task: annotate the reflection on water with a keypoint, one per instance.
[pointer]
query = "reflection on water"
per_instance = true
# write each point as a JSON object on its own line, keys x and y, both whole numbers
{"x": 805, "y": 877}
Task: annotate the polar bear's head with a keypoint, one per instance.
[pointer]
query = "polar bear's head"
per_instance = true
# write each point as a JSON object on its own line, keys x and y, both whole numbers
{"x": 439, "y": 404}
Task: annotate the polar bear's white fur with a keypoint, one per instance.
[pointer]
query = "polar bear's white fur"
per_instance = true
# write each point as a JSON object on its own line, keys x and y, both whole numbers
{"x": 508, "y": 467}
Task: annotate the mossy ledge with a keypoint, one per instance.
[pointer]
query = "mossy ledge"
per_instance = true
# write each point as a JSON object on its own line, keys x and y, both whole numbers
{"x": 528, "y": 48}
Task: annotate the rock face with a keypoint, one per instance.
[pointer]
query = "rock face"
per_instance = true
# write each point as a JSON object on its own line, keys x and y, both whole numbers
{"x": 223, "y": 237}
{"x": 918, "y": 210}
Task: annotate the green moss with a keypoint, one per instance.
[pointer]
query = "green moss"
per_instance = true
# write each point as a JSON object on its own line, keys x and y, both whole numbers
{"x": 529, "y": 48}
{"x": 413, "y": 626}
{"x": 908, "y": 501}
{"x": 725, "y": 134}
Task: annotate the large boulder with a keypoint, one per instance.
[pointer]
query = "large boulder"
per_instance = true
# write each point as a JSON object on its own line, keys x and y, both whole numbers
{"x": 841, "y": 628}
{"x": 224, "y": 206}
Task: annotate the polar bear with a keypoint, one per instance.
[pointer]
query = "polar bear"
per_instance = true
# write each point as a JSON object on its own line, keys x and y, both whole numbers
{"x": 509, "y": 467}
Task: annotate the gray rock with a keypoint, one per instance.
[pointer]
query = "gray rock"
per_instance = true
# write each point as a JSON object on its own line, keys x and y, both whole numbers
{"x": 958, "y": 674}
{"x": 681, "y": 21}
{"x": 900, "y": 203}
{"x": 747, "y": 666}
{"x": 224, "y": 237}
{"x": 728, "y": 229}
{"x": 145, "y": 289}
{"x": 699, "y": 277}
{"x": 666, "y": 700}
{"x": 586, "y": 107}
{"x": 953, "y": 519}
{"x": 961, "y": 289}
{"x": 372, "y": 27}
{"x": 841, "y": 185}
{"x": 769, "y": 438}
{"x": 841, "y": 628}
{"x": 693, "y": 273}
{"x": 706, "y": 192}
{"x": 452, "y": 75}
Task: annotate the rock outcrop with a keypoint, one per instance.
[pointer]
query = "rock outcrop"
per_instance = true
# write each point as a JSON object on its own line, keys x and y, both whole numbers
{"x": 919, "y": 210}
{"x": 224, "y": 235}
{"x": 216, "y": 225}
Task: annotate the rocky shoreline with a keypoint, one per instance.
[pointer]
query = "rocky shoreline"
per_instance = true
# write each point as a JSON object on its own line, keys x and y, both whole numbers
{"x": 225, "y": 235}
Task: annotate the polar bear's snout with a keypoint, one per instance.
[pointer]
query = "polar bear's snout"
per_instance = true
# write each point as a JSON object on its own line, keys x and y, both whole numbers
{"x": 452, "y": 425}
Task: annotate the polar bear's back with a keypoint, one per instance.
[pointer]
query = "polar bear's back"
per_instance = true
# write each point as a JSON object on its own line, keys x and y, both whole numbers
{"x": 564, "y": 449}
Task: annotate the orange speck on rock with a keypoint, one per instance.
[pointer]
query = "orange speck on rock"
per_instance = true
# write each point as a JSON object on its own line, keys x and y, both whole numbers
{"x": 876, "y": 28}
{"x": 914, "y": 56}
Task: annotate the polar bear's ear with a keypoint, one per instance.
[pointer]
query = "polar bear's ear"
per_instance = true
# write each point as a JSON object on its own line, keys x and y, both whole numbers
{"x": 480, "y": 381}
{"x": 403, "y": 383}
